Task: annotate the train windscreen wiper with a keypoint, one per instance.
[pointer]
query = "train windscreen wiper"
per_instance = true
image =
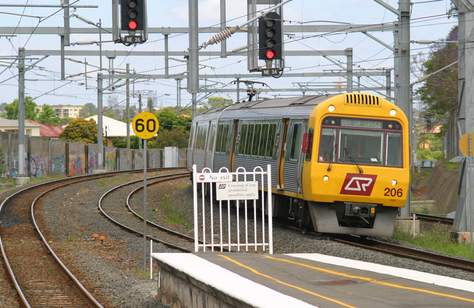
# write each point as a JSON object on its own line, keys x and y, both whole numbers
{"x": 353, "y": 160}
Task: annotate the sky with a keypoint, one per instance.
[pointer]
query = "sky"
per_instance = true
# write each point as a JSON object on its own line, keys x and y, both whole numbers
{"x": 430, "y": 22}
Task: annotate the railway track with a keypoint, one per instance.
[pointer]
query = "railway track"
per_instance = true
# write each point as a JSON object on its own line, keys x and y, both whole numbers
{"x": 37, "y": 273}
{"x": 407, "y": 252}
{"x": 119, "y": 214}
{"x": 435, "y": 219}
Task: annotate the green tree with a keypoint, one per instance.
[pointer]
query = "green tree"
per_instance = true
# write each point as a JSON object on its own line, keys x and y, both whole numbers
{"x": 80, "y": 130}
{"x": 88, "y": 110}
{"x": 170, "y": 118}
{"x": 439, "y": 92}
{"x": 30, "y": 109}
{"x": 170, "y": 138}
{"x": 48, "y": 116}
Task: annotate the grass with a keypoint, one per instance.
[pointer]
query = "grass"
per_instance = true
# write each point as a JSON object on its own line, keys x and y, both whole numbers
{"x": 438, "y": 240}
{"x": 171, "y": 214}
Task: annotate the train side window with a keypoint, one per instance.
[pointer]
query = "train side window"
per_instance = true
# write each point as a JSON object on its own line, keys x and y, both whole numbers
{"x": 327, "y": 147}
{"x": 295, "y": 145}
{"x": 249, "y": 143}
{"x": 394, "y": 150}
{"x": 271, "y": 140}
{"x": 256, "y": 140}
{"x": 243, "y": 138}
{"x": 263, "y": 140}
{"x": 222, "y": 134}
{"x": 308, "y": 146}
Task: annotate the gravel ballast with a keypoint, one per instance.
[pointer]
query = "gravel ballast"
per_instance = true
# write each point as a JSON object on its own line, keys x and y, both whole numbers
{"x": 104, "y": 256}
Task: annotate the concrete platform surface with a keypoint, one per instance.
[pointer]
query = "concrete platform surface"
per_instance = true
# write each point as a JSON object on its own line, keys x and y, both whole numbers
{"x": 318, "y": 280}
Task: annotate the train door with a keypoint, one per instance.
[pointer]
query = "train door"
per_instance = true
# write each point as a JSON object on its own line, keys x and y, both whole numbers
{"x": 292, "y": 163}
{"x": 233, "y": 146}
{"x": 281, "y": 153}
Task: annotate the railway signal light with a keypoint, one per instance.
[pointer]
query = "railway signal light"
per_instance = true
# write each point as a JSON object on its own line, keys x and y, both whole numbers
{"x": 133, "y": 15}
{"x": 270, "y": 37}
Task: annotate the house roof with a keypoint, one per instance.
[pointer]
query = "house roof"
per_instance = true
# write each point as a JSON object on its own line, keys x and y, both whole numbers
{"x": 112, "y": 127}
{"x": 7, "y": 123}
{"x": 50, "y": 131}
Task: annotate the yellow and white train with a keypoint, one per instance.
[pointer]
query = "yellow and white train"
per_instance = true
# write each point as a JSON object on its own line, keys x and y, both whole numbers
{"x": 339, "y": 163}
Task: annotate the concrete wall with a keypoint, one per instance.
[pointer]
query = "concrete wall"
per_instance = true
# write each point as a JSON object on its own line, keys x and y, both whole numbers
{"x": 77, "y": 159}
{"x": 92, "y": 158}
{"x": 57, "y": 157}
{"x": 38, "y": 157}
{"x": 110, "y": 159}
{"x": 48, "y": 157}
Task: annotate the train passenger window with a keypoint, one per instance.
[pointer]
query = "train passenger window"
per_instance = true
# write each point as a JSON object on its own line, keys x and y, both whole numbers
{"x": 201, "y": 136}
{"x": 250, "y": 137}
{"x": 327, "y": 145}
{"x": 256, "y": 139}
{"x": 222, "y": 138}
{"x": 243, "y": 138}
{"x": 295, "y": 146}
{"x": 271, "y": 140}
{"x": 263, "y": 140}
{"x": 394, "y": 150}
{"x": 361, "y": 146}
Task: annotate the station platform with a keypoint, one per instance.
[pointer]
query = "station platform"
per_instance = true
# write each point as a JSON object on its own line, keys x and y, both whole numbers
{"x": 300, "y": 280}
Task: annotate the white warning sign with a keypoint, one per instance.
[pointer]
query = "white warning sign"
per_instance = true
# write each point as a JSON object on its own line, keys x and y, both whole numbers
{"x": 237, "y": 191}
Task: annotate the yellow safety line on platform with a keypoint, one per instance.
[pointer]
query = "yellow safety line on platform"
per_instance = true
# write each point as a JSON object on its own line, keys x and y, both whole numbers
{"x": 276, "y": 280}
{"x": 371, "y": 280}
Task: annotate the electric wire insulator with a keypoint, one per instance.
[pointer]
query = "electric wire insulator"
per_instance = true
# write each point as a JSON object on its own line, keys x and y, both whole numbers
{"x": 220, "y": 37}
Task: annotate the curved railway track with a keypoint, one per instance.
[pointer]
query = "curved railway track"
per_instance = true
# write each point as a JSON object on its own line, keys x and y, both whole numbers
{"x": 39, "y": 276}
{"x": 36, "y": 272}
{"x": 119, "y": 214}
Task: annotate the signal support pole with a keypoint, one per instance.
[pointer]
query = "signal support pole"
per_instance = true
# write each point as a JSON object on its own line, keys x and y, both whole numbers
{"x": 21, "y": 176}
{"x": 193, "y": 76}
{"x": 127, "y": 105}
{"x": 100, "y": 133}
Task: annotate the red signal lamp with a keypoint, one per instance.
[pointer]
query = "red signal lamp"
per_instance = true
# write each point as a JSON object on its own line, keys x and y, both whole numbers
{"x": 270, "y": 54}
{"x": 132, "y": 25}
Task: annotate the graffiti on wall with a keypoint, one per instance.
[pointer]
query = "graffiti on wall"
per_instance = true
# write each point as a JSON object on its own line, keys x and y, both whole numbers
{"x": 57, "y": 164}
{"x": 38, "y": 166}
{"x": 110, "y": 160}
{"x": 75, "y": 165}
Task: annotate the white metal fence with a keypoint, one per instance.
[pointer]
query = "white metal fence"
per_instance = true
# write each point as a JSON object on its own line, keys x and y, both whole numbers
{"x": 230, "y": 193}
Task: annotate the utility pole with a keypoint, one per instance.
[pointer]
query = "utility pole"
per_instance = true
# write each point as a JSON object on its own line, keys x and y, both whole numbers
{"x": 150, "y": 104}
{"x": 349, "y": 68}
{"x": 21, "y": 117}
{"x": 464, "y": 220}
{"x": 127, "y": 105}
{"x": 402, "y": 76}
{"x": 139, "y": 111}
{"x": 238, "y": 89}
{"x": 100, "y": 133}
{"x": 193, "y": 73}
{"x": 178, "y": 93}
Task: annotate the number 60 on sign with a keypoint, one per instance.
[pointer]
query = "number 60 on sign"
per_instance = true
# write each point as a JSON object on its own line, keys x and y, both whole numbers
{"x": 145, "y": 125}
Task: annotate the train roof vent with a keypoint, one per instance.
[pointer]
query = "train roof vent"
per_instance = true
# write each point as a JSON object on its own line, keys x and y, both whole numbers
{"x": 363, "y": 99}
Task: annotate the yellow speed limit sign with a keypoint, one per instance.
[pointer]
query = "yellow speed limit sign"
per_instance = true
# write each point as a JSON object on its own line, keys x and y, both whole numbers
{"x": 145, "y": 125}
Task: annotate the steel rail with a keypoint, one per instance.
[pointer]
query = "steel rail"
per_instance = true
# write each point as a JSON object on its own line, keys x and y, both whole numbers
{"x": 86, "y": 292}
{"x": 160, "y": 227}
{"x": 161, "y": 179}
{"x": 8, "y": 266}
{"x": 434, "y": 218}
{"x": 407, "y": 252}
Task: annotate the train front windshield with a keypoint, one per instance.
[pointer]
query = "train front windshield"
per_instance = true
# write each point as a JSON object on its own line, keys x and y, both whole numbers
{"x": 356, "y": 141}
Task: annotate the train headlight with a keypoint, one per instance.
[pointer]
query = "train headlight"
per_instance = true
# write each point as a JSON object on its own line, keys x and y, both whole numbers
{"x": 331, "y": 108}
{"x": 325, "y": 178}
{"x": 393, "y": 112}
{"x": 394, "y": 182}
